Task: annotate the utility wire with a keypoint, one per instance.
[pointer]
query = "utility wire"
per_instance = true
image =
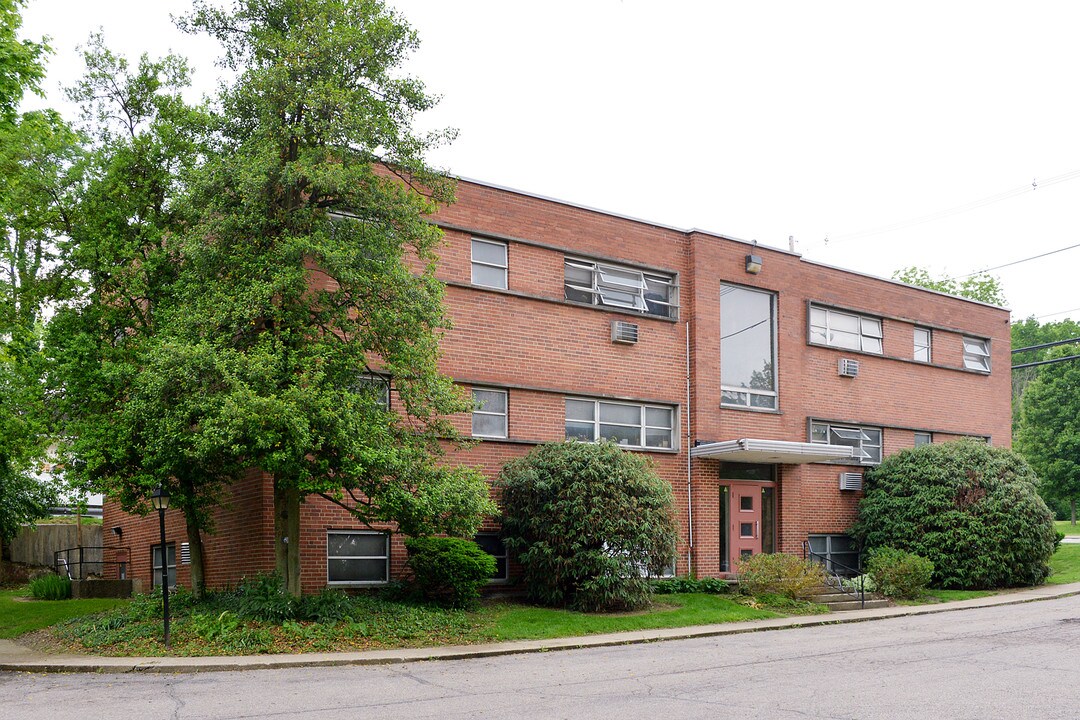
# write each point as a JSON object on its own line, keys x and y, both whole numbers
{"x": 1015, "y": 262}
{"x": 948, "y": 212}
{"x": 1060, "y": 312}
{"x": 1046, "y": 362}
{"x": 1070, "y": 341}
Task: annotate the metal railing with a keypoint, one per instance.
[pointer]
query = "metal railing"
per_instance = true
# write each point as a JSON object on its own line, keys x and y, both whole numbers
{"x": 836, "y": 572}
{"x": 87, "y": 561}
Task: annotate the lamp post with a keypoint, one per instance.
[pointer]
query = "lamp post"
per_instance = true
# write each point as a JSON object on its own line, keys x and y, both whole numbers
{"x": 160, "y": 500}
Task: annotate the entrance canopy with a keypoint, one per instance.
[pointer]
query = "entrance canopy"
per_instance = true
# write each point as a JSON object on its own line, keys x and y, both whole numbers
{"x": 783, "y": 452}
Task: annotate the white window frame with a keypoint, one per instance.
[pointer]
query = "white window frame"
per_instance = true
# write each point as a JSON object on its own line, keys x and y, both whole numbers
{"x": 622, "y": 287}
{"x": 838, "y": 434}
{"x": 727, "y": 390}
{"x": 385, "y": 557}
{"x": 483, "y": 263}
{"x": 155, "y": 568}
{"x": 478, "y": 410}
{"x": 924, "y": 346}
{"x": 928, "y": 438}
{"x": 642, "y": 426}
{"x": 821, "y": 323}
{"x": 505, "y": 556}
{"x": 976, "y": 353}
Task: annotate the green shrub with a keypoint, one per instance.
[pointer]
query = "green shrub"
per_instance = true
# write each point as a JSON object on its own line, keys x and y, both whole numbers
{"x": 969, "y": 508}
{"x": 670, "y": 586}
{"x": 899, "y": 574}
{"x": 588, "y": 522}
{"x": 213, "y": 628}
{"x": 50, "y": 587}
{"x": 263, "y": 598}
{"x": 779, "y": 574}
{"x": 329, "y": 606}
{"x": 447, "y": 569}
{"x": 861, "y": 582}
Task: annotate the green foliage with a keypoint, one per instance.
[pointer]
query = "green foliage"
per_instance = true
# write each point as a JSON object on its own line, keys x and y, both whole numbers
{"x": 213, "y": 628}
{"x": 20, "y": 61}
{"x": 970, "y": 508}
{"x": 50, "y": 587}
{"x": 981, "y": 287}
{"x": 779, "y": 574}
{"x": 263, "y": 598}
{"x": 899, "y": 574}
{"x": 328, "y": 606}
{"x": 587, "y": 521}
{"x": 449, "y": 569}
{"x": 670, "y": 586}
{"x": 861, "y": 582}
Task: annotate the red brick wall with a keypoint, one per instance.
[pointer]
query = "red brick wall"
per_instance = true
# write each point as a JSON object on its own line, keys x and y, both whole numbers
{"x": 539, "y": 348}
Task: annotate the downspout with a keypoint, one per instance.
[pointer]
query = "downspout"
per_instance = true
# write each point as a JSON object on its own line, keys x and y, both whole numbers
{"x": 689, "y": 445}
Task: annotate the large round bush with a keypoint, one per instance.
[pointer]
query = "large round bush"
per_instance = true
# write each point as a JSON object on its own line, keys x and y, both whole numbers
{"x": 971, "y": 509}
{"x": 586, "y": 522}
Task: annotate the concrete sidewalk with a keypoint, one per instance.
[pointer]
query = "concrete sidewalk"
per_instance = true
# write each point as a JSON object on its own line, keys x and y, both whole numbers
{"x": 14, "y": 656}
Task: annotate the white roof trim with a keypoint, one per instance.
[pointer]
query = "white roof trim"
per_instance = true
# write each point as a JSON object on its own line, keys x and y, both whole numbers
{"x": 783, "y": 452}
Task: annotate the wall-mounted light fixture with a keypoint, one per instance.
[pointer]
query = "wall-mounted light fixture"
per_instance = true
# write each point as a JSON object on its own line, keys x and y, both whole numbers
{"x": 753, "y": 264}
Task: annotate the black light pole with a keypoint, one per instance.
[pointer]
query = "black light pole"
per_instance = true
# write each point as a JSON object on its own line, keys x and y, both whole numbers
{"x": 160, "y": 500}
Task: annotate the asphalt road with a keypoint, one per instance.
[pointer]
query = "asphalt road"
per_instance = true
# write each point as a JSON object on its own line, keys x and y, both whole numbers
{"x": 1017, "y": 661}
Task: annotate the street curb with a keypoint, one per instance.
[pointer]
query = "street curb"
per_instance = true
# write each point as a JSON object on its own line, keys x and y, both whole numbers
{"x": 40, "y": 663}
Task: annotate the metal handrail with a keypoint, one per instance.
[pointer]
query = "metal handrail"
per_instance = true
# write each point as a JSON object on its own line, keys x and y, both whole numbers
{"x": 63, "y": 562}
{"x": 833, "y": 577}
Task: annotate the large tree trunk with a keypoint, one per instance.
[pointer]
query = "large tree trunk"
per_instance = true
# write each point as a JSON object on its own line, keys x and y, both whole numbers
{"x": 287, "y": 537}
{"x": 195, "y": 547}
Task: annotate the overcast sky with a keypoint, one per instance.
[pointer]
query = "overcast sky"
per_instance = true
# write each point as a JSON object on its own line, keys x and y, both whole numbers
{"x": 938, "y": 134}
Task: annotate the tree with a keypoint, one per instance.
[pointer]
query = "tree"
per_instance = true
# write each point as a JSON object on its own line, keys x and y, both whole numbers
{"x": 1048, "y": 433}
{"x": 1029, "y": 332}
{"x": 982, "y": 287}
{"x": 587, "y": 521}
{"x": 970, "y": 508}
{"x": 318, "y": 163}
{"x": 21, "y": 68}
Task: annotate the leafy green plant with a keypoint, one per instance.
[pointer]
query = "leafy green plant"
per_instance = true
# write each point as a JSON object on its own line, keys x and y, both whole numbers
{"x": 50, "y": 587}
{"x": 447, "y": 569}
{"x": 328, "y": 606}
{"x": 670, "y": 586}
{"x": 213, "y": 627}
{"x": 969, "y": 508}
{"x": 264, "y": 598}
{"x": 861, "y": 582}
{"x": 899, "y": 574}
{"x": 779, "y": 574}
{"x": 588, "y": 522}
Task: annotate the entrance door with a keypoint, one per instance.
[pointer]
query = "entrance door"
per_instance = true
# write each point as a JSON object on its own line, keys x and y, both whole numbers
{"x": 745, "y": 523}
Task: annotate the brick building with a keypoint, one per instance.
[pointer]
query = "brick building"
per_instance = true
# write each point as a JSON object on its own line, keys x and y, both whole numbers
{"x": 760, "y": 384}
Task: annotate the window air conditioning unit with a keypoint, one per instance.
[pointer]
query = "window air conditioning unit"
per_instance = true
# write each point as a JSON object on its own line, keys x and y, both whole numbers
{"x": 850, "y": 481}
{"x": 848, "y": 367}
{"x": 622, "y": 332}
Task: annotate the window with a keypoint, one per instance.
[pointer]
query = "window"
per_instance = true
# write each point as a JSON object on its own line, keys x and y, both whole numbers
{"x": 838, "y": 553}
{"x": 865, "y": 440}
{"x": 976, "y": 354}
{"x": 647, "y": 426}
{"x": 923, "y": 438}
{"x": 622, "y": 287}
{"x": 489, "y": 417}
{"x": 922, "y": 344}
{"x": 378, "y": 386}
{"x": 494, "y": 546}
{"x": 155, "y": 564}
{"x": 357, "y": 557}
{"x": 747, "y": 348}
{"x": 489, "y": 263}
{"x": 845, "y": 330}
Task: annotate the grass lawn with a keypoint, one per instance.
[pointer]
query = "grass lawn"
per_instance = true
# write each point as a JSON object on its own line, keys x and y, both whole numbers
{"x": 1066, "y": 527}
{"x": 19, "y": 616}
{"x": 1066, "y": 565}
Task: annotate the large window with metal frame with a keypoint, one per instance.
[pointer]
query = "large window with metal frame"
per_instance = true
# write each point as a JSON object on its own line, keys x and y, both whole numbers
{"x": 976, "y": 354}
{"x": 493, "y": 545}
{"x": 922, "y": 344}
{"x": 599, "y": 283}
{"x": 747, "y": 348}
{"x": 629, "y": 424}
{"x": 840, "y": 329}
{"x": 838, "y": 553}
{"x": 865, "y": 440}
{"x": 155, "y": 564}
{"x": 357, "y": 557}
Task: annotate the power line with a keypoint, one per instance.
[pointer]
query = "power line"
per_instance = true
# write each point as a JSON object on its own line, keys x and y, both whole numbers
{"x": 948, "y": 212}
{"x": 1046, "y": 362}
{"x": 1015, "y": 262}
{"x": 1060, "y": 312}
{"x": 1070, "y": 341}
